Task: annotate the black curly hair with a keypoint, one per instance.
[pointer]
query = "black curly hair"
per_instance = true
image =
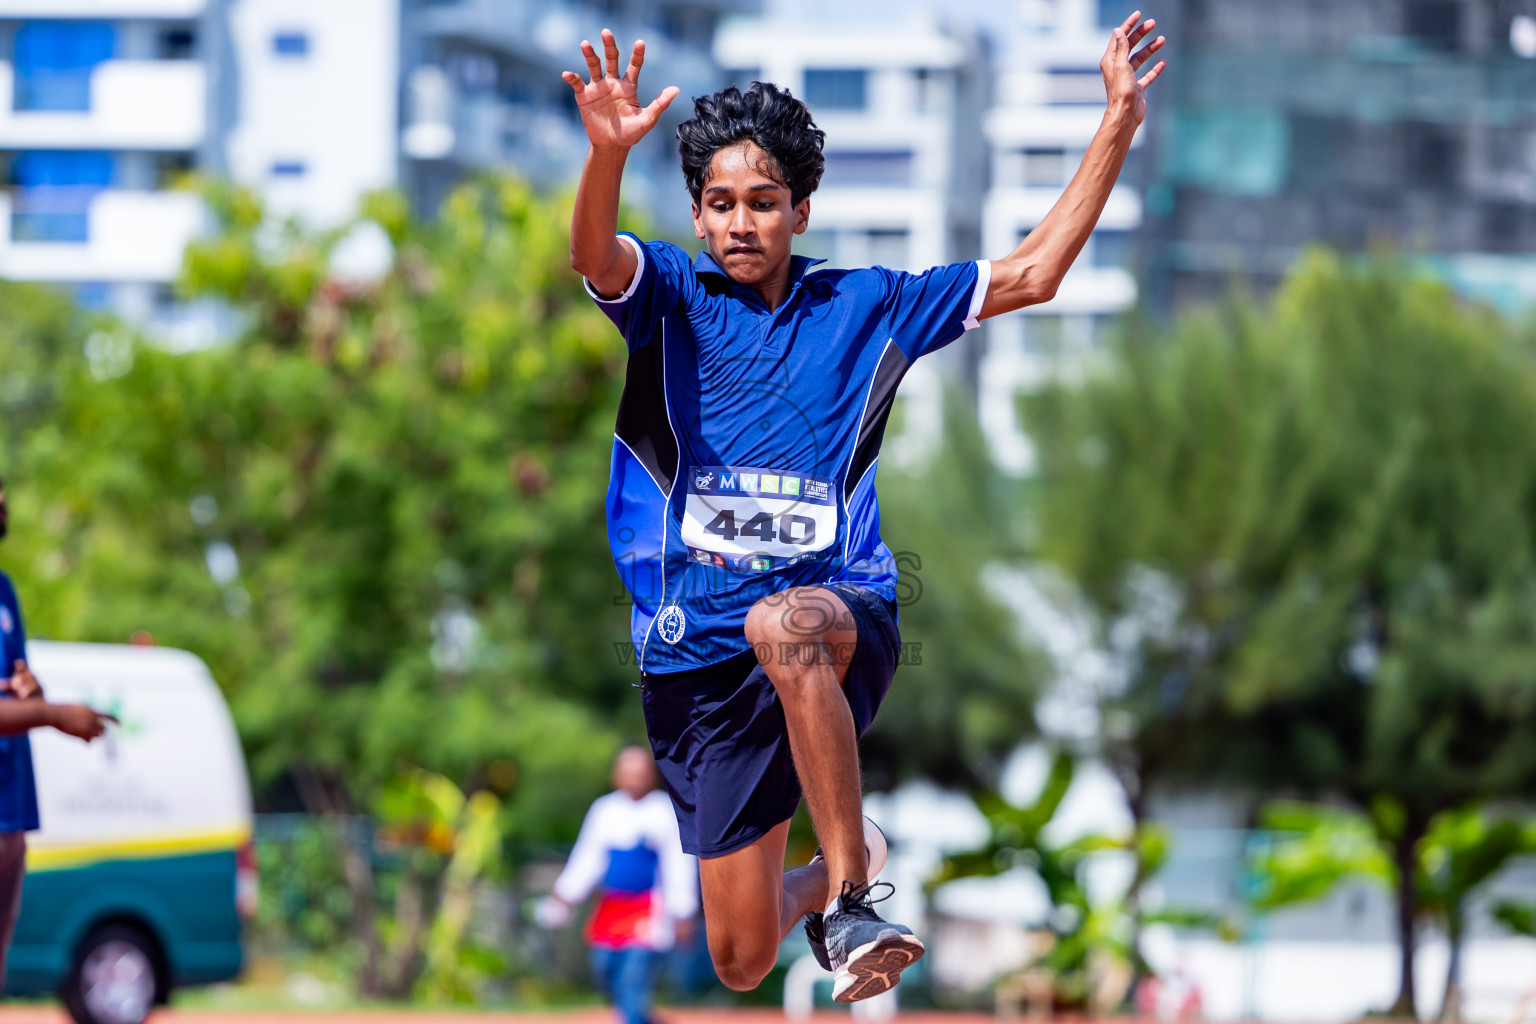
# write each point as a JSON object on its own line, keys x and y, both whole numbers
{"x": 779, "y": 124}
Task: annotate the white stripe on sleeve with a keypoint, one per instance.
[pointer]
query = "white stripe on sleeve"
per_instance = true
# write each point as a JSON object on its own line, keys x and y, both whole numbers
{"x": 634, "y": 282}
{"x": 979, "y": 296}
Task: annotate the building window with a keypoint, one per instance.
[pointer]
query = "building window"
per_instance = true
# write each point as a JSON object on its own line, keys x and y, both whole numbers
{"x": 889, "y": 249}
{"x": 928, "y": 84}
{"x": 1434, "y": 155}
{"x": 1113, "y": 12}
{"x": 177, "y": 44}
{"x": 743, "y": 77}
{"x": 1076, "y": 86}
{"x": 288, "y": 169}
{"x": 171, "y": 169}
{"x": 1045, "y": 167}
{"x": 688, "y": 25}
{"x": 1434, "y": 23}
{"x": 291, "y": 44}
{"x": 1232, "y": 150}
{"x": 475, "y": 73}
{"x": 1501, "y": 227}
{"x": 837, "y": 88}
{"x": 1112, "y": 249}
{"x": 53, "y": 193}
{"x": 54, "y": 62}
{"x": 889, "y": 168}
{"x": 518, "y": 88}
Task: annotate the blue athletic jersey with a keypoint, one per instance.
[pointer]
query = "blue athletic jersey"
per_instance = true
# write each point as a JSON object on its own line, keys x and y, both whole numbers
{"x": 635, "y": 869}
{"x": 18, "y": 791}
{"x": 747, "y": 439}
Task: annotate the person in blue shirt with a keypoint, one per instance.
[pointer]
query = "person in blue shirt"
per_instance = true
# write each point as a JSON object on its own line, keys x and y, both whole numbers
{"x": 22, "y": 708}
{"x": 741, "y": 505}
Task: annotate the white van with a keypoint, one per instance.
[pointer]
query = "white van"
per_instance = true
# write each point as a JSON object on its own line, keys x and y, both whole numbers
{"x": 144, "y": 869}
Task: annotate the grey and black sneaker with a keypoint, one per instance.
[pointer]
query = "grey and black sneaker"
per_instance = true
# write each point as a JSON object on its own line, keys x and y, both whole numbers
{"x": 816, "y": 938}
{"x": 875, "y": 847}
{"x": 866, "y": 953}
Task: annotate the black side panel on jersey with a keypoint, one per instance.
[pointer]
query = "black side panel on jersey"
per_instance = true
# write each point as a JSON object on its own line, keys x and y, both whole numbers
{"x": 882, "y": 392}
{"x": 643, "y": 423}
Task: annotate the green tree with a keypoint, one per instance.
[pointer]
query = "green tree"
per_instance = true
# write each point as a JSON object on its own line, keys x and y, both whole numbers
{"x": 378, "y": 513}
{"x": 965, "y": 697}
{"x": 448, "y": 842}
{"x": 1334, "y": 493}
{"x": 1318, "y": 847}
{"x": 1090, "y": 938}
{"x": 43, "y": 341}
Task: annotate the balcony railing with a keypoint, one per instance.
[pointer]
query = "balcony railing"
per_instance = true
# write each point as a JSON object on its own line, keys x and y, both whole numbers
{"x": 54, "y": 89}
{"x": 63, "y": 234}
{"x": 52, "y": 213}
{"x": 128, "y": 104}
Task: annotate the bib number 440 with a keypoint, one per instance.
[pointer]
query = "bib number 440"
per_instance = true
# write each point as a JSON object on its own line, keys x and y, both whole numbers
{"x": 790, "y": 529}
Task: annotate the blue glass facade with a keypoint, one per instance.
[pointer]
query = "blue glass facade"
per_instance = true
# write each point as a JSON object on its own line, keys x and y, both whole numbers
{"x": 1410, "y": 125}
{"x": 837, "y": 88}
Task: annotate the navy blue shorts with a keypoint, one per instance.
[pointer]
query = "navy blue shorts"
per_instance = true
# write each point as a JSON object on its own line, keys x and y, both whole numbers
{"x": 719, "y": 736}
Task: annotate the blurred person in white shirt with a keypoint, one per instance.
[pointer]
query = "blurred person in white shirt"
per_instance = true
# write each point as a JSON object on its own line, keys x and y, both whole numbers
{"x": 628, "y": 849}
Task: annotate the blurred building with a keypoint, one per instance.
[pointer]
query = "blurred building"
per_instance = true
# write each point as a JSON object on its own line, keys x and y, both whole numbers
{"x": 900, "y": 100}
{"x": 1410, "y": 123}
{"x": 105, "y": 105}
{"x": 1049, "y": 102}
{"x": 951, "y": 131}
{"x": 900, "y": 96}
{"x": 308, "y": 102}
{"x": 482, "y": 90}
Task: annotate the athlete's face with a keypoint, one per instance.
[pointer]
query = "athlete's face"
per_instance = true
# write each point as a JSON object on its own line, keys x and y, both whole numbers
{"x": 746, "y": 217}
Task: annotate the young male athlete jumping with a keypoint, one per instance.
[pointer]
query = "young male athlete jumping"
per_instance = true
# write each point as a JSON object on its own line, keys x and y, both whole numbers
{"x": 741, "y": 504}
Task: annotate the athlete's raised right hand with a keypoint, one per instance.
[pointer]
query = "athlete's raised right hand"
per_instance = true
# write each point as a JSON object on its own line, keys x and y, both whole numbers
{"x": 609, "y": 103}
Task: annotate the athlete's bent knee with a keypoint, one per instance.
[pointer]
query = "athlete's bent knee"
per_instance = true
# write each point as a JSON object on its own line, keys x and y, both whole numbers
{"x": 742, "y": 974}
{"x": 763, "y": 627}
{"x": 742, "y": 965}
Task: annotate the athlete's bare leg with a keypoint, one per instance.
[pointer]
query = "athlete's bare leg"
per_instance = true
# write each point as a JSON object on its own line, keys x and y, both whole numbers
{"x": 805, "y": 639}
{"x": 751, "y": 903}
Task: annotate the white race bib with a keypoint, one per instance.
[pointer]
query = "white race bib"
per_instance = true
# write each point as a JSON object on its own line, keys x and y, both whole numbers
{"x": 757, "y": 520}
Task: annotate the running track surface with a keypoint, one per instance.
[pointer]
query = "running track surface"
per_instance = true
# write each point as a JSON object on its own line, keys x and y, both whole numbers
{"x": 597, "y": 1015}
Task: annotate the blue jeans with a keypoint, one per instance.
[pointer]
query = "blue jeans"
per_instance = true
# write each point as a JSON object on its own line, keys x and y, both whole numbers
{"x": 627, "y": 977}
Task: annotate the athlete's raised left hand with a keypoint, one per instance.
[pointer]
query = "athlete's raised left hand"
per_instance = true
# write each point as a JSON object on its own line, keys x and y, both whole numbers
{"x": 1122, "y": 62}
{"x": 609, "y": 103}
